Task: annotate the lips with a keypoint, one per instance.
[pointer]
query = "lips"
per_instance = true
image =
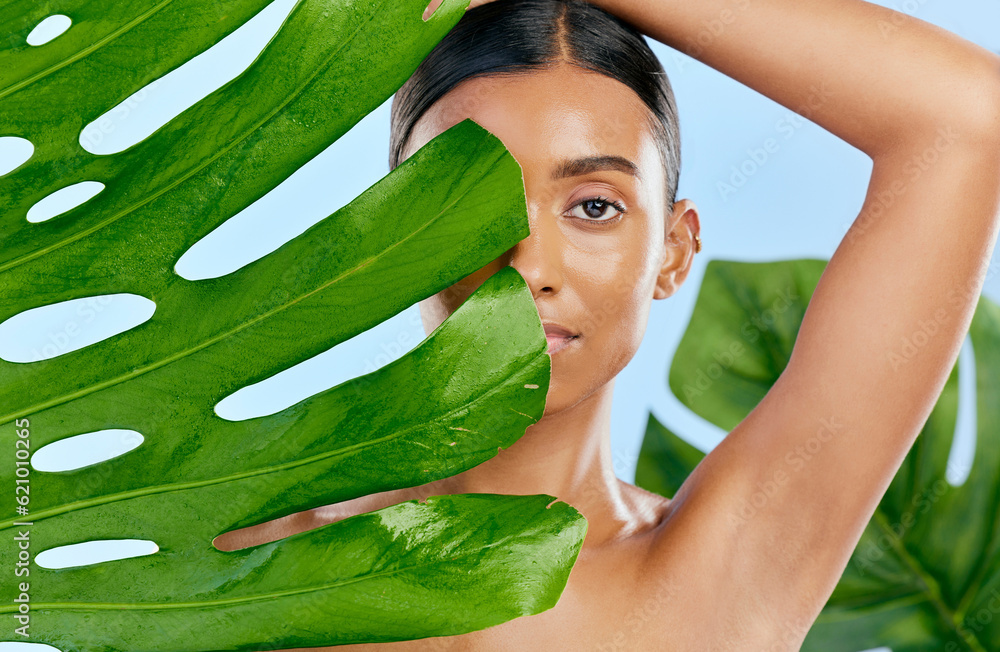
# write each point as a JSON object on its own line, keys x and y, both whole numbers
{"x": 558, "y": 336}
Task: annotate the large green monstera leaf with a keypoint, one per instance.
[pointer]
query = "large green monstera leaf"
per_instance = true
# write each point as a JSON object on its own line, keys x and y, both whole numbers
{"x": 446, "y": 565}
{"x": 926, "y": 573}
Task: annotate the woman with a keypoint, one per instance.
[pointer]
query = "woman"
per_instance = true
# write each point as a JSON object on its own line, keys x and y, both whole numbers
{"x": 581, "y": 103}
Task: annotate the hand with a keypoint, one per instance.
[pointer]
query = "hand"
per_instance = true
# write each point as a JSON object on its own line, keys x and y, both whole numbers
{"x": 432, "y": 7}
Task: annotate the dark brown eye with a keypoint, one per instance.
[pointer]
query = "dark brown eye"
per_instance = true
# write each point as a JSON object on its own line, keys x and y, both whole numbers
{"x": 595, "y": 209}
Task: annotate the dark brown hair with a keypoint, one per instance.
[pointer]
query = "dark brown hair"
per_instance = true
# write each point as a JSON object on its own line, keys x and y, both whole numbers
{"x": 519, "y": 36}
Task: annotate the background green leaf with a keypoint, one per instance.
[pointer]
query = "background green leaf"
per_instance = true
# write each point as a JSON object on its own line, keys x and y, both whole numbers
{"x": 926, "y": 573}
{"x": 740, "y": 336}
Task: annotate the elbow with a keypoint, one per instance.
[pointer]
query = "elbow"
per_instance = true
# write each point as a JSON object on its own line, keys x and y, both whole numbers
{"x": 964, "y": 108}
{"x": 982, "y": 105}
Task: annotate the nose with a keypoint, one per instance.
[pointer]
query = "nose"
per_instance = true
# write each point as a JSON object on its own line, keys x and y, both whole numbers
{"x": 538, "y": 257}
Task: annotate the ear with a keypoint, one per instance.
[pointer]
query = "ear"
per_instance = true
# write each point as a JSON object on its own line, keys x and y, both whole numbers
{"x": 679, "y": 229}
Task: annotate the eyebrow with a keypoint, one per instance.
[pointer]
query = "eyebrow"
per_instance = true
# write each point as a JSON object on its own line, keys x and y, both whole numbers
{"x": 580, "y": 166}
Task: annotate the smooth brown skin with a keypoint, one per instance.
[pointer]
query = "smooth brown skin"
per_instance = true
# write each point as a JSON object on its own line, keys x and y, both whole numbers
{"x": 691, "y": 574}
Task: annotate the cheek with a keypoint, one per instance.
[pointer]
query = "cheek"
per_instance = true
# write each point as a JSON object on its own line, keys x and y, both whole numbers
{"x": 616, "y": 295}
{"x": 615, "y": 276}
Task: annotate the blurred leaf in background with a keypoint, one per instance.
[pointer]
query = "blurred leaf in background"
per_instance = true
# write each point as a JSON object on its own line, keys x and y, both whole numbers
{"x": 926, "y": 573}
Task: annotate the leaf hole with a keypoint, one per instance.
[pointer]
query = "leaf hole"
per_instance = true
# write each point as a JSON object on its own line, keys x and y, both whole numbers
{"x": 14, "y": 152}
{"x": 147, "y": 110}
{"x": 10, "y": 646}
{"x": 348, "y": 362}
{"x": 48, "y": 29}
{"x": 83, "y": 450}
{"x": 63, "y": 200}
{"x": 94, "y": 552}
{"x": 49, "y": 331}
{"x": 354, "y": 162}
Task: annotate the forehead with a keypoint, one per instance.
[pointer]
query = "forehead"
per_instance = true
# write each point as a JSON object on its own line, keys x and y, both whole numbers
{"x": 545, "y": 117}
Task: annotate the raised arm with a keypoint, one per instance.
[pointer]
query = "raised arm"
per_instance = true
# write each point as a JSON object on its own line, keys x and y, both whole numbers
{"x": 925, "y": 106}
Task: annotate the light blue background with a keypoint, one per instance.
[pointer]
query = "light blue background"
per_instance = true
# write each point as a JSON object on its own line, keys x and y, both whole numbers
{"x": 797, "y": 204}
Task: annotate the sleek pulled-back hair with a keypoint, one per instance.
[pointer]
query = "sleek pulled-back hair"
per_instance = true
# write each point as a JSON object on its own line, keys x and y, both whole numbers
{"x": 510, "y": 37}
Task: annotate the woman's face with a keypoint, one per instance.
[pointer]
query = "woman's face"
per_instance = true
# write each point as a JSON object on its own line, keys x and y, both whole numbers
{"x": 583, "y": 143}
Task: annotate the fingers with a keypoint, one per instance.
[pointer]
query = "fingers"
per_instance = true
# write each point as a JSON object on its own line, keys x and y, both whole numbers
{"x": 431, "y": 8}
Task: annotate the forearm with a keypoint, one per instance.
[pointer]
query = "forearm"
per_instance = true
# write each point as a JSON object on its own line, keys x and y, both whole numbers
{"x": 877, "y": 78}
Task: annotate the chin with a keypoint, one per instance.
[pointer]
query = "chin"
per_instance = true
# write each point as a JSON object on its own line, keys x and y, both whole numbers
{"x": 565, "y": 391}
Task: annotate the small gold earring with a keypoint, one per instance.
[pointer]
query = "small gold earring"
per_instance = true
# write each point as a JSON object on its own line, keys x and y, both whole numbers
{"x": 697, "y": 243}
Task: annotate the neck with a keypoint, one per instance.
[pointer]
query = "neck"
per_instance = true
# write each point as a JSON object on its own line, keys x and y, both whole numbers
{"x": 566, "y": 455}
